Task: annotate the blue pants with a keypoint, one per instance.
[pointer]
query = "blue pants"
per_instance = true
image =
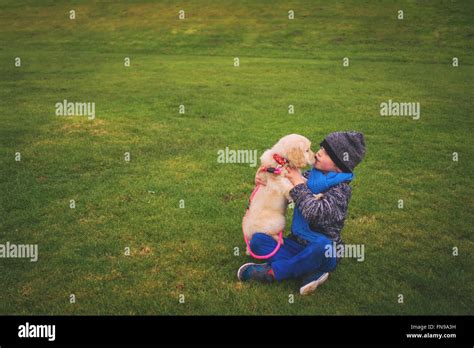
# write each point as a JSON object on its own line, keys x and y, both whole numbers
{"x": 294, "y": 260}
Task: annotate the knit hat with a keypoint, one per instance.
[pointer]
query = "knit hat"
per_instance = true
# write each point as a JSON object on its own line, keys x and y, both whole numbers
{"x": 346, "y": 149}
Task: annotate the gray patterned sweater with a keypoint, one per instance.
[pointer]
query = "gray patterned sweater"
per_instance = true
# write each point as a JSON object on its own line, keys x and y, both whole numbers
{"x": 325, "y": 215}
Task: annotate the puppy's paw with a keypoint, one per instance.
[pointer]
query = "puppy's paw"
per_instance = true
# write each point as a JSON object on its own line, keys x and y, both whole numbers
{"x": 277, "y": 238}
{"x": 318, "y": 196}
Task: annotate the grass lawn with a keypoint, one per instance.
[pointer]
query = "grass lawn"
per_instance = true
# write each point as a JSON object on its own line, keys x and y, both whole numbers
{"x": 190, "y": 251}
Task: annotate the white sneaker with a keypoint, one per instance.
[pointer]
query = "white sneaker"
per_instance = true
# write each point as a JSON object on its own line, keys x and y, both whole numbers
{"x": 311, "y": 286}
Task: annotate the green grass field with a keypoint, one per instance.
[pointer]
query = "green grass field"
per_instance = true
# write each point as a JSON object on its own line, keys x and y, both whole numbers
{"x": 190, "y": 251}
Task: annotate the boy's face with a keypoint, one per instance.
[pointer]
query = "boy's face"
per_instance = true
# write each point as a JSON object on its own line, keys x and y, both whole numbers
{"x": 324, "y": 162}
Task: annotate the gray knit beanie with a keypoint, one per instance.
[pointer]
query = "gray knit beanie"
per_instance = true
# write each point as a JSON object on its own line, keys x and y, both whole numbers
{"x": 346, "y": 149}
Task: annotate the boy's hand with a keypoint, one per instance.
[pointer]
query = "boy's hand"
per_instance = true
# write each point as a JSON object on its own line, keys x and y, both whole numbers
{"x": 295, "y": 176}
{"x": 259, "y": 178}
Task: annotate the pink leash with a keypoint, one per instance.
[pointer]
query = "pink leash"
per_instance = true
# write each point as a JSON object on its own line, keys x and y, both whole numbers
{"x": 280, "y": 237}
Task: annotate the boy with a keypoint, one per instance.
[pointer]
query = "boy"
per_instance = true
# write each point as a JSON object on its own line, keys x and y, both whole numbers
{"x": 317, "y": 221}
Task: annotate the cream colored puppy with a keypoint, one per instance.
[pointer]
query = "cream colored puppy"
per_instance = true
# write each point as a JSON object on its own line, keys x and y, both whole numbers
{"x": 267, "y": 210}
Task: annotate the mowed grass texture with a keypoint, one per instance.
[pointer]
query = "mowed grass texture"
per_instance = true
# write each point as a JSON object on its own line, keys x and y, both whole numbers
{"x": 190, "y": 251}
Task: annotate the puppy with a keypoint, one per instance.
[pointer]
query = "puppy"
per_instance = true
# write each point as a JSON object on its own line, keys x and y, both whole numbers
{"x": 266, "y": 212}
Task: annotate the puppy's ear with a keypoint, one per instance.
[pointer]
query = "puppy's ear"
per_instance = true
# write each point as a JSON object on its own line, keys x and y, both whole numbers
{"x": 296, "y": 156}
{"x": 267, "y": 158}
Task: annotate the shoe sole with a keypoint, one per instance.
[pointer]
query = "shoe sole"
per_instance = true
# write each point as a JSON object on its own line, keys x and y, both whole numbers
{"x": 240, "y": 269}
{"x": 311, "y": 287}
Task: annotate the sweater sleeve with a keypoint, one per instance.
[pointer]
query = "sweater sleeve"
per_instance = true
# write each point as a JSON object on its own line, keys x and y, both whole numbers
{"x": 324, "y": 213}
